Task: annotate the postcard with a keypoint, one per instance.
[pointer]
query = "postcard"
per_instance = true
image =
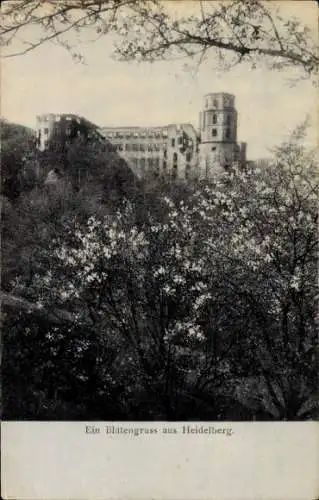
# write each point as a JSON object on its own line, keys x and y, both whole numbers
{"x": 159, "y": 285}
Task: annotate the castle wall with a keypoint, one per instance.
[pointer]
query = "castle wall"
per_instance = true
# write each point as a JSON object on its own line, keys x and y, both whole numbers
{"x": 159, "y": 151}
{"x": 173, "y": 151}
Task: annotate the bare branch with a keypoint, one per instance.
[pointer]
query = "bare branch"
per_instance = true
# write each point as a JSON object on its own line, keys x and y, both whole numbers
{"x": 147, "y": 30}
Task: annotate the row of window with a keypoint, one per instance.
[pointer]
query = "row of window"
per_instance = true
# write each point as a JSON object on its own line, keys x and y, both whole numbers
{"x": 150, "y": 162}
{"x": 138, "y": 147}
{"x": 154, "y": 165}
{"x": 149, "y": 148}
{"x": 144, "y": 134}
{"x": 154, "y": 162}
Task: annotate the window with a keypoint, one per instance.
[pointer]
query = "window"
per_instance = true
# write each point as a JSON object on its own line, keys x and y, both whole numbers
{"x": 173, "y": 143}
{"x": 228, "y": 133}
{"x": 46, "y": 131}
{"x": 164, "y": 165}
{"x": 165, "y": 153}
{"x": 214, "y": 148}
{"x": 150, "y": 147}
{"x": 142, "y": 147}
{"x": 142, "y": 163}
{"x": 180, "y": 140}
{"x": 214, "y": 132}
{"x": 187, "y": 171}
{"x": 228, "y": 120}
{"x": 214, "y": 119}
{"x": 174, "y": 171}
{"x": 188, "y": 157}
{"x": 175, "y": 158}
{"x": 215, "y": 103}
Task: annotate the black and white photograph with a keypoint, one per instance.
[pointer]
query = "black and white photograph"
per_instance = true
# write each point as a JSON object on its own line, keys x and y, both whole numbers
{"x": 159, "y": 211}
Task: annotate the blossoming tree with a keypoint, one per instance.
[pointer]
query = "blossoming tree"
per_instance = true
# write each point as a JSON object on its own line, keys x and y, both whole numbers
{"x": 208, "y": 302}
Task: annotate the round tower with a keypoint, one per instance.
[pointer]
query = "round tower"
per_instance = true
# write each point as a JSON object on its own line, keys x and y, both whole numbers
{"x": 218, "y": 130}
{"x": 219, "y": 119}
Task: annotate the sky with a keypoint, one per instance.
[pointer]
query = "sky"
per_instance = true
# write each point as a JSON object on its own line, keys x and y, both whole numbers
{"x": 113, "y": 93}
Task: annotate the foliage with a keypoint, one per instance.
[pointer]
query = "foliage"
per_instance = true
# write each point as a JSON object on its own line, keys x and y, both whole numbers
{"x": 230, "y": 33}
{"x": 203, "y": 308}
{"x": 17, "y": 143}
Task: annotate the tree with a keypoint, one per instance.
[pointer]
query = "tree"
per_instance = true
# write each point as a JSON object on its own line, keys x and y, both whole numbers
{"x": 231, "y": 32}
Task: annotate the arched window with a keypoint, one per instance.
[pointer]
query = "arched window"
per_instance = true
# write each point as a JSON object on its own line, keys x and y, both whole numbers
{"x": 174, "y": 170}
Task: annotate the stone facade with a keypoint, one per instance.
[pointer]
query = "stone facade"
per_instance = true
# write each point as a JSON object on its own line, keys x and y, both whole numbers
{"x": 218, "y": 135}
{"x": 171, "y": 150}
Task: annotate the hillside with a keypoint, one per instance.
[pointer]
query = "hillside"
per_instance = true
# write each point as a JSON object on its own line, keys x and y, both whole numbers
{"x": 76, "y": 160}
